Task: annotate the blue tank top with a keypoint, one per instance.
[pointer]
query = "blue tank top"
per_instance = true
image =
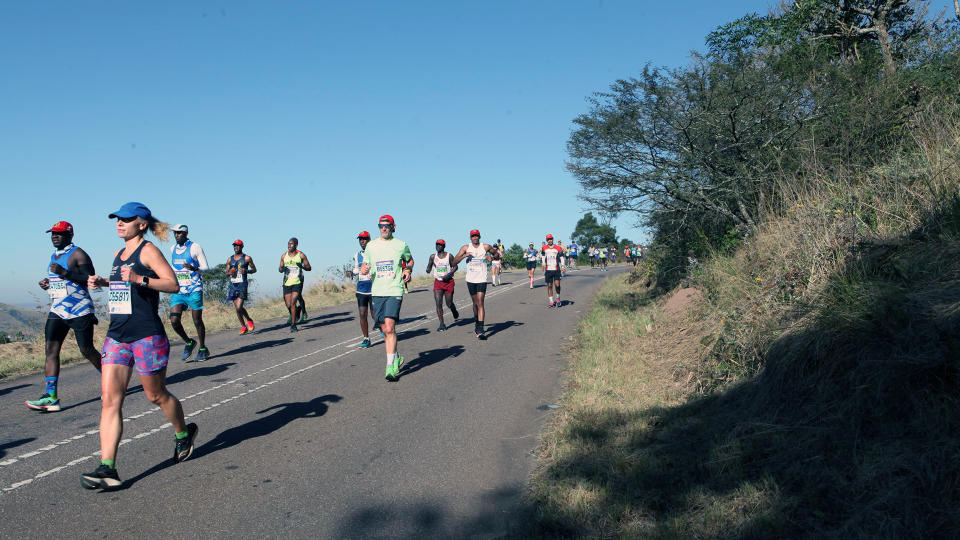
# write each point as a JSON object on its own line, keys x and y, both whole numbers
{"x": 189, "y": 280}
{"x": 133, "y": 309}
{"x": 364, "y": 283}
{"x": 68, "y": 300}
{"x": 238, "y": 264}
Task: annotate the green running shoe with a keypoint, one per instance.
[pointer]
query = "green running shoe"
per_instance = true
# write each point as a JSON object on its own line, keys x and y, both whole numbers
{"x": 391, "y": 374}
{"x": 303, "y": 316}
{"x": 188, "y": 349}
{"x": 46, "y": 403}
{"x": 202, "y": 354}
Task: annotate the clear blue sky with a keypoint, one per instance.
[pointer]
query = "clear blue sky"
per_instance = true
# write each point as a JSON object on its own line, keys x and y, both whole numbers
{"x": 311, "y": 119}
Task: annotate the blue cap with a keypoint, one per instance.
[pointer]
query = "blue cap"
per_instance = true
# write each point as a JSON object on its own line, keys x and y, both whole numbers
{"x": 132, "y": 209}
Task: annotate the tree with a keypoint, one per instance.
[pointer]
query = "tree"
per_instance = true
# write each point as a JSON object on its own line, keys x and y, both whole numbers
{"x": 216, "y": 283}
{"x": 514, "y": 256}
{"x": 590, "y": 232}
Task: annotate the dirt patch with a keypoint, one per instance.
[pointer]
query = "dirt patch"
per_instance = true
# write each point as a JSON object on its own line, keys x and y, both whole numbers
{"x": 678, "y": 303}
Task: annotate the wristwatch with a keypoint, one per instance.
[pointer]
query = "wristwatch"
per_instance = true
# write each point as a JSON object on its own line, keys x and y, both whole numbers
{"x": 144, "y": 280}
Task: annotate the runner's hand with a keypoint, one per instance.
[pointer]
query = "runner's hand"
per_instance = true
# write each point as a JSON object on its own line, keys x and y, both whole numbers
{"x": 93, "y": 282}
{"x": 45, "y": 283}
{"x": 364, "y": 269}
{"x": 406, "y": 275}
{"x": 57, "y": 269}
{"x": 127, "y": 274}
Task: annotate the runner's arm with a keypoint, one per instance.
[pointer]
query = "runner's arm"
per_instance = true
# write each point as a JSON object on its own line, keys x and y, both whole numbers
{"x": 229, "y": 269}
{"x": 306, "y": 263}
{"x": 251, "y": 268}
{"x": 151, "y": 257}
{"x": 197, "y": 253}
{"x": 81, "y": 267}
{"x": 460, "y": 255}
{"x": 429, "y": 264}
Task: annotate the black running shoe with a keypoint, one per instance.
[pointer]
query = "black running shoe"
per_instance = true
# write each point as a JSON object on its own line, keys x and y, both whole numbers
{"x": 105, "y": 477}
{"x": 293, "y": 328}
{"x": 184, "y": 447}
{"x": 442, "y": 328}
{"x": 456, "y": 314}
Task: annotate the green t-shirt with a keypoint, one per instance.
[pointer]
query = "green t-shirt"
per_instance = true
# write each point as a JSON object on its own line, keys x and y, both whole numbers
{"x": 384, "y": 257}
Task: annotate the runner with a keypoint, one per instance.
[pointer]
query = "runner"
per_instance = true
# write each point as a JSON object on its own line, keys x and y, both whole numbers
{"x": 387, "y": 289}
{"x": 70, "y": 307}
{"x": 574, "y": 250}
{"x": 592, "y": 255}
{"x": 531, "y": 256}
{"x": 292, "y": 264}
{"x": 602, "y": 258}
{"x": 476, "y": 255}
{"x": 627, "y": 253}
{"x": 363, "y": 288}
{"x": 552, "y": 256}
{"x": 563, "y": 259}
{"x": 443, "y": 282}
{"x": 188, "y": 263}
{"x": 239, "y": 265}
{"x": 136, "y": 338}
{"x": 496, "y": 265}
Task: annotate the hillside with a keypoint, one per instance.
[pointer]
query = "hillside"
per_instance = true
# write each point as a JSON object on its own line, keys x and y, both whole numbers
{"x": 14, "y": 319}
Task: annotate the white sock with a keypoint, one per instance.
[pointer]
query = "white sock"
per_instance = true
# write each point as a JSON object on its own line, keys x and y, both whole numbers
{"x": 390, "y": 357}
{"x": 550, "y": 299}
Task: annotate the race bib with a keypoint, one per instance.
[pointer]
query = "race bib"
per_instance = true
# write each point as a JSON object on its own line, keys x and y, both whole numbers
{"x": 183, "y": 277}
{"x": 237, "y": 278}
{"x": 57, "y": 289}
{"x": 119, "y": 302}
{"x": 293, "y": 273}
{"x": 386, "y": 269}
{"x": 476, "y": 270}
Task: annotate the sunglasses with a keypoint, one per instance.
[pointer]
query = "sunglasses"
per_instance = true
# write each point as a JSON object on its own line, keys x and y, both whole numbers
{"x": 384, "y": 225}
{"x": 127, "y": 219}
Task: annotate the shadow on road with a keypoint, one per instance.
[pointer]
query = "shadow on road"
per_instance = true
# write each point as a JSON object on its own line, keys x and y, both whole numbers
{"x": 428, "y": 358}
{"x": 265, "y": 425}
{"x": 13, "y": 444}
{"x": 411, "y": 319}
{"x": 204, "y": 371}
{"x": 313, "y": 323}
{"x": 255, "y": 347}
{"x": 284, "y": 324}
{"x": 496, "y": 328}
{"x": 12, "y": 388}
{"x": 410, "y": 334}
{"x": 498, "y": 512}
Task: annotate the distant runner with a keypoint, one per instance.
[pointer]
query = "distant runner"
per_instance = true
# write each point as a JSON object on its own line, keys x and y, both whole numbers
{"x": 292, "y": 264}
{"x": 574, "y": 250}
{"x": 239, "y": 265}
{"x": 531, "y": 255}
{"x": 70, "y": 308}
{"x": 602, "y": 258}
{"x": 135, "y": 339}
{"x": 552, "y": 256}
{"x": 476, "y": 255}
{"x": 364, "y": 282}
{"x": 496, "y": 265}
{"x": 443, "y": 283}
{"x": 381, "y": 260}
{"x": 188, "y": 262}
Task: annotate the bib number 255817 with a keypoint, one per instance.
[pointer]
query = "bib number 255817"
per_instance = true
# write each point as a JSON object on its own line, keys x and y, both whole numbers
{"x": 119, "y": 302}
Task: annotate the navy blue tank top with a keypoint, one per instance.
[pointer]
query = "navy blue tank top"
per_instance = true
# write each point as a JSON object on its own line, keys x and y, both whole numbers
{"x": 133, "y": 308}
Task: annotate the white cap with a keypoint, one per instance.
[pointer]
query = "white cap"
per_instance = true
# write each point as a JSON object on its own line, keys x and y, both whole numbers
{"x": 179, "y": 227}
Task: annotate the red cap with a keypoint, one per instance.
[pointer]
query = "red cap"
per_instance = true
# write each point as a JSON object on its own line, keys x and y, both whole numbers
{"x": 364, "y": 234}
{"x": 386, "y": 218}
{"x": 442, "y": 241}
{"x": 549, "y": 237}
{"x": 475, "y": 232}
{"x": 238, "y": 242}
{"x": 61, "y": 226}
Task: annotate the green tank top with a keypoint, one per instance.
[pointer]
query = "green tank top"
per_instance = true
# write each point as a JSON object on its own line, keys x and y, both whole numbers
{"x": 292, "y": 268}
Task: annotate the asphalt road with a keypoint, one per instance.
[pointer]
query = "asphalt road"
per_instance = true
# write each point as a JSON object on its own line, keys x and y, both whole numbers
{"x": 301, "y": 436}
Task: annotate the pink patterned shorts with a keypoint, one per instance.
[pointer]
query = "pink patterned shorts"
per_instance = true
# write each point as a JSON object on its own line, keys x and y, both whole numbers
{"x": 149, "y": 354}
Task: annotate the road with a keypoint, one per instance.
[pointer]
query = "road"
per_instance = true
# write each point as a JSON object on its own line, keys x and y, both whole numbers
{"x": 300, "y": 435}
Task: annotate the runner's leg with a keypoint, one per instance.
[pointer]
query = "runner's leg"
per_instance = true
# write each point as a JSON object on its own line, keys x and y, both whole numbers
{"x": 176, "y": 313}
{"x": 438, "y": 300}
{"x": 155, "y": 388}
{"x": 114, "y": 379}
{"x": 201, "y": 328}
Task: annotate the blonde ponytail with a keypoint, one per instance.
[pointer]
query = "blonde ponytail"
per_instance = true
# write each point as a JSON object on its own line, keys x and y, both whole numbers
{"x": 160, "y": 229}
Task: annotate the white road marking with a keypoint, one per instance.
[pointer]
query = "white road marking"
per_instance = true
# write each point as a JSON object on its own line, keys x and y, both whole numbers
{"x": 43, "y": 474}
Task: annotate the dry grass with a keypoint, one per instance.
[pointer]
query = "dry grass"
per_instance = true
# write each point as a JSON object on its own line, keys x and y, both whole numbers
{"x": 27, "y": 357}
{"x": 814, "y": 391}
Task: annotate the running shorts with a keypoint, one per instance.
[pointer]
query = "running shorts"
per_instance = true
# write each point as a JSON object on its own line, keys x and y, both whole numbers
{"x": 149, "y": 354}
{"x": 474, "y": 288}
{"x": 192, "y": 300}
{"x": 551, "y": 275}
{"x": 531, "y": 265}
{"x": 445, "y": 286}
{"x": 386, "y": 307}
{"x": 298, "y": 288}
{"x": 58, "y": 327}
{"x": 237, "y": 290}
{"x": 363, "y": 300}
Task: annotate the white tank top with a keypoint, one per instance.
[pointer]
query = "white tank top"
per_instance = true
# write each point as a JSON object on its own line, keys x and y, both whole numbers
{"x": 477, "y": 266}
{"x": 441, "y": 267}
